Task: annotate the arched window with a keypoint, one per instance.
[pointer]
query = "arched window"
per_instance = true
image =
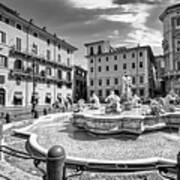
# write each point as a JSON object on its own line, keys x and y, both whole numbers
{"x": 18, "y": 65}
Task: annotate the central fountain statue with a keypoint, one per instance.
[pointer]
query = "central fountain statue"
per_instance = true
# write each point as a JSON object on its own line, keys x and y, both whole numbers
{"x": 127, "y": 92}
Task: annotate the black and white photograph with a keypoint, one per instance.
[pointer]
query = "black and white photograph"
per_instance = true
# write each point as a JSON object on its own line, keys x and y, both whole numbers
{"x": 90, "y": 90}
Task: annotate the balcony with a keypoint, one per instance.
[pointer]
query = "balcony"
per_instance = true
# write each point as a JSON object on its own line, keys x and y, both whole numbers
{"x": 25, "y": 75}
{"x": 38, "y": 58}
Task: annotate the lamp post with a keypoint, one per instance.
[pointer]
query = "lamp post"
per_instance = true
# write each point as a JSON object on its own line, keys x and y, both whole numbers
{"x": 34, "y": 85}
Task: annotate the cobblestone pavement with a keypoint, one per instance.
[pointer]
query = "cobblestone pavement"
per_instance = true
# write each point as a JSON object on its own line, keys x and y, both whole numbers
{"x": 8, "y": 172}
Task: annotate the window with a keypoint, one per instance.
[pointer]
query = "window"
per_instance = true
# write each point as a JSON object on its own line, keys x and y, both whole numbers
{"x": 2, "y": 79}
{"x": 59, "y": 74}
{"x": 115, "y": 57}
{"x": 59, "y": 58}
{"x": 18, "y": 65}
{"x": 141, "y": 92}
{"x": 48, "y": 71}
{"x": 2, "y": 37}
{"x": 100, "y": 92}
{"x": 107, "y": 92}
{"x": 91, "y": 82}
{"x": 68, "y": 51}
{"x": 59, "y": 46}
{"x": 124, "y": 56}
{"x": 7, "y": 20}
{"x": 100, "y": 82}
{"x": 115, "y": 67}
{"x": 107, "y": 68}
{"x": 3, "y": 61}
{"x": 107, "y": 59}
{"x": 99, "y": 68}
{"x": 133, "y": 65}
{"x": 133, "y": 80}
{"x": 68, "y": 62}
{"x": 91, "y": 51}
{"x": 124, "y": 66}
{"x": 141, "y": 64}
{"x": 48, "y": 41}
{"x": 178, "y": 65}
{"x": 178, "y": 45}
{"x": 48, "y": 98}
{"x": 99, "y": 50}
{"x": 141, "y": 79}
{"x": 34, "y": 49}
{"x": 68, "y": 76}
{"x": 18, "y": 44}
{"x": 140, "y": 54}
{"x": 116, "y": 81}
{"x": 92, "y": 69}
{"x": 35, "y": 34}
{"x": 48, "y": 54}
{"x": 91, "y": 60}
{"x": 107, "y": 82}
{"x": 18, "y": 97}
{"x": 133, "y": 55}
{"x": 18, "y": 26}
{"x": 178, "y": 21}
{"x": 99, "y": 59}
{"x": 2, "y": 97}
{"x": 91, "y": 92}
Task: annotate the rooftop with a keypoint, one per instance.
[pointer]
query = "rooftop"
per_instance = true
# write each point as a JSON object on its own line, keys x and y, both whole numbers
{"x": 168, "y": 9}
{"x": 42, "y": 30}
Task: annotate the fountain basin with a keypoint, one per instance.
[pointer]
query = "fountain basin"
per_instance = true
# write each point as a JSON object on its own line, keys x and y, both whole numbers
{"x": 127, "y": 122}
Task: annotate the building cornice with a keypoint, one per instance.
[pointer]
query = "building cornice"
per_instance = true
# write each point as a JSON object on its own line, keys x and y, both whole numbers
{"x": 28, "y": 24}
{"x": 168, "y": 10}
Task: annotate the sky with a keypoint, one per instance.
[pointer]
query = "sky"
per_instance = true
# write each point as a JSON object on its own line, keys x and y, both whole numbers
{"x": 122, "y": 22}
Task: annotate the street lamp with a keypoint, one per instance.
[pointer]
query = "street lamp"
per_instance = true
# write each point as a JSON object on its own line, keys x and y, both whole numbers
{"x": 34, "y": 100}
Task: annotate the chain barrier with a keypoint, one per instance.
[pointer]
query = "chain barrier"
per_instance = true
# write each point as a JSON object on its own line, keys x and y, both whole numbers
{"x": 165, "y": 170}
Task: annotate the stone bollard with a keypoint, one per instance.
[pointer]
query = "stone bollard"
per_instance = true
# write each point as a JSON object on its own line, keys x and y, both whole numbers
{"x": 55, "y": 163}
{"x": 178, "y": 166}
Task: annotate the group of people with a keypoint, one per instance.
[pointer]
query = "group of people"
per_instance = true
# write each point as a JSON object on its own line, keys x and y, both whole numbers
{"x": 63, "y": 103}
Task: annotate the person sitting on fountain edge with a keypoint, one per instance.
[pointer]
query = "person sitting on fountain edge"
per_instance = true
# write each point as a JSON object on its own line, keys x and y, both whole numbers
{"x": 113, "y": 103}
{"x": 94, "y": 100}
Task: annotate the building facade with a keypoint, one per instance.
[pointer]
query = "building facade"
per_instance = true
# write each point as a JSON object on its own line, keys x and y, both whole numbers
{"x": 29, "y": 53}
{"x": 107, "y": 66}
{"x": 79, "y": 83}
{"x": 171, "y": 46}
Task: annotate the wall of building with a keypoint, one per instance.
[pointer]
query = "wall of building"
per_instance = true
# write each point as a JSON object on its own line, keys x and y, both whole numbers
{"x": 28, "y": 39}
{"x": 115, "y": 62}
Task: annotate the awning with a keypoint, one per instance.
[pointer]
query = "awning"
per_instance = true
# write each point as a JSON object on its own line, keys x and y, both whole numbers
{"x": 18, "y": 95}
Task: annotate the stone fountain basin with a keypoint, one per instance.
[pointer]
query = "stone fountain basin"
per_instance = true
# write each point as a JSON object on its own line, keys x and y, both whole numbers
{"x": 80, "y": 147}
{"x": 126, "y": 122}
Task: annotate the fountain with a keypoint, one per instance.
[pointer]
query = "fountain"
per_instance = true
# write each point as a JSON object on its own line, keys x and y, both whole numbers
{"x": 125, "y": 146}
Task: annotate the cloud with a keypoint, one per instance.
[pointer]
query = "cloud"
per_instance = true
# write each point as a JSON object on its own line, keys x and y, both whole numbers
{"x": 93, "y": 4}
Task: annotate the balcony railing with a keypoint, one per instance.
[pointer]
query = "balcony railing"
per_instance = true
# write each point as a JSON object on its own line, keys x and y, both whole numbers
{"x": 38, "y": 58}
{"x": 24, "y": 75}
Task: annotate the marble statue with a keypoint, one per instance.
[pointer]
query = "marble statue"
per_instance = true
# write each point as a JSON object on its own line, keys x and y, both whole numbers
{"x": 127, "y": 87}
{"x": 94, "y": 100}
{"x": 113, "y": 103}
